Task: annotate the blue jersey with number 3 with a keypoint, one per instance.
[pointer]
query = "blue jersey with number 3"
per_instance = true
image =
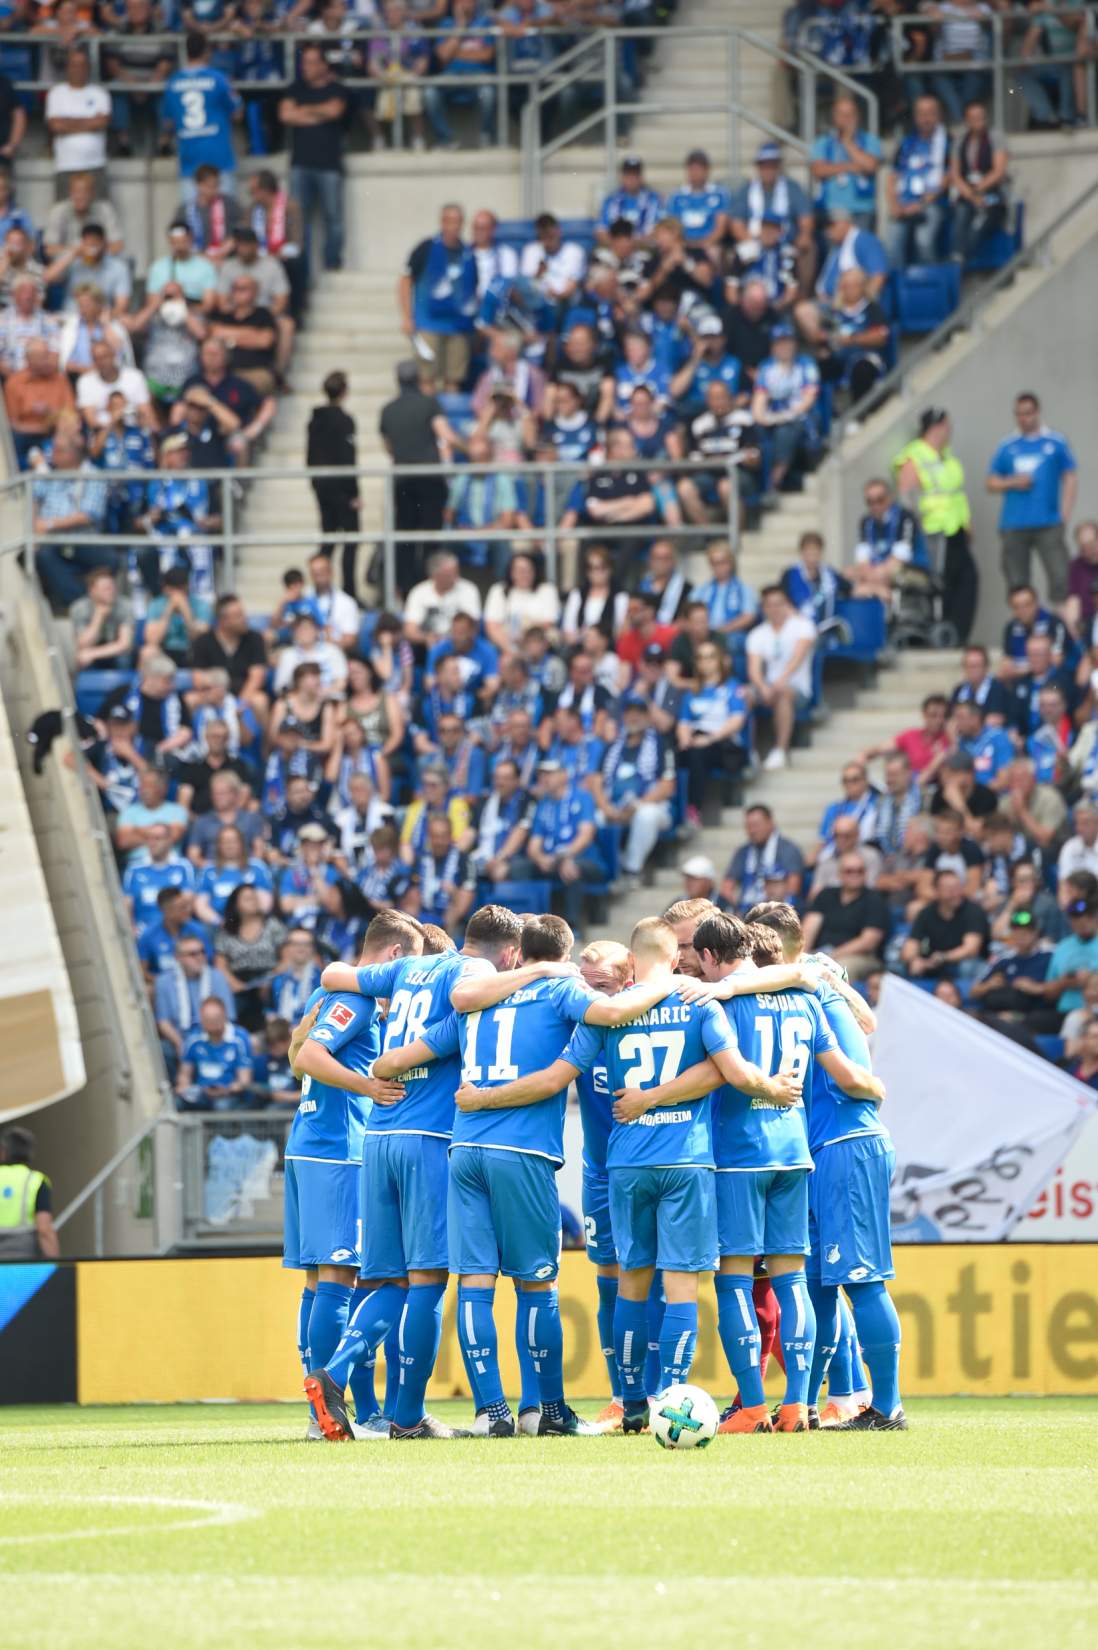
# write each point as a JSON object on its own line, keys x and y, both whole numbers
{"x": 199, "y": 104}
{"x": 783, "y": 1031}
{"x": 656, "y": 1048}
{"x": 523, "y": 1034}
{"x": 330, "y": 1123}
{"x": 418, "y": 992}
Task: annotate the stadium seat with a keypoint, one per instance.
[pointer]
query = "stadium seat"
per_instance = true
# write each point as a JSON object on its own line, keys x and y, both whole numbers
{"x": 93, "y": 686}
{"x": 926, "y": 295}
{"x": 519, "y": 896}
{"x": 1005, "y": 244}
{"x": 869, "y": 630}
{"x": 1051, "y": 1047}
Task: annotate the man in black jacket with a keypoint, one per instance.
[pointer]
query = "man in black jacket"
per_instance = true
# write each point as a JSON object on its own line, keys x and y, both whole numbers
{"x": 331, "y": 442}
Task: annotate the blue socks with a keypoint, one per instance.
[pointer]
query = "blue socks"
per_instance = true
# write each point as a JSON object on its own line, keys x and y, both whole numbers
{"x": 477, "y": 1332}
{"x": 539, "y": 1310}
{"x": 374, "y": 1315}
{"x": 652, "y": 1381}
{"x": 327, "y": 1321}
{"x": 392, "y": 1366}
{"x": 631, "y": 1351}
{"x": 529, "y": 1389}
{"x": 878, "y": 1327}
{"x": 678, "y": 1338}
{"x": 304, "y": 1312}
{"x": 418, "y": 1334}
{"x": 825, "y": 1302}
{"x": 738, "y": 1328}
{"x": 361, "y": 1383}
{"x": 798, "y": 1332}
{"x": 608, "y": 1294}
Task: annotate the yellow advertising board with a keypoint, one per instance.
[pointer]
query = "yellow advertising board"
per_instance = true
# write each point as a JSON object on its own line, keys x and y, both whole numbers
{"x": 983, "y": 1319}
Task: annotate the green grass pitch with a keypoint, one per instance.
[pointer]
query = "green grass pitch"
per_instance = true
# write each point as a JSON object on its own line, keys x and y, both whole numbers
{"x": 203, "y": 1527}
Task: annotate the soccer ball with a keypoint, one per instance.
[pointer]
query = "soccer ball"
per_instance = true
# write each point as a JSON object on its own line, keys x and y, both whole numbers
{"x": 683, "y": 1417}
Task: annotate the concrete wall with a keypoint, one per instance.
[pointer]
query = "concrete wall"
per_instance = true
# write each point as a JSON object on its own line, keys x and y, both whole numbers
{"x": 1039, "y": 336}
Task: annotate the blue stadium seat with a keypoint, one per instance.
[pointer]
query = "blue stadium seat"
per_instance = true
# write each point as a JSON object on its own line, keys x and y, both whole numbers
{"x": 866, "y": 618}
{"x": 92, "y": 687}
{"x": 1051, "y": 1047}
{"x": 1005, "y": 244}
{"x": 517, "y": 896}
{"x": 926, "y": 294}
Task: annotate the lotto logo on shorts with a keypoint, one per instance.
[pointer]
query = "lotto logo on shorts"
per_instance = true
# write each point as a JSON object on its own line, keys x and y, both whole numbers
{"x": 341, "y": 1015}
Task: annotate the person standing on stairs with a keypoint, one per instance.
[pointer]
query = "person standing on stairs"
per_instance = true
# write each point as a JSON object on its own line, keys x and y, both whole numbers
{"x": 331, "y": 444}
{"x": 930, "y": 480}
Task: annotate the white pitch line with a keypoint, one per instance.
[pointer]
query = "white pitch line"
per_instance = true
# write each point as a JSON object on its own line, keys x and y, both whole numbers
{"x": 212, "y": 1514}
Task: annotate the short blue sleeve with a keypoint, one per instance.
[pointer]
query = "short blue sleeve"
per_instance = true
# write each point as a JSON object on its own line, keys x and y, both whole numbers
{"x": 442, "y": 1037}
{"x": 344, "y": 1018}
{"x": 572, "y": 997}
{"x": 1067, "y": 457}
{"x": 1001, "y": 464}
{"x": 379, "y": 979}
{"x": 716, "y": 1033}
{"x": 585, "y": 1046}
{"x": 872, "y": 255}
{"x": 587, "y": 807}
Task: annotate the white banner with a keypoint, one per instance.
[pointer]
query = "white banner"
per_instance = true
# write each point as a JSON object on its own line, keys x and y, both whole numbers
{"x": 980, "y": 1124}
{"x": 1067, "y": 1210}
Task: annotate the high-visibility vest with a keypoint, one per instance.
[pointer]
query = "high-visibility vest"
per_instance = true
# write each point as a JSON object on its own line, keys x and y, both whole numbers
{"x": 943, "y": 502}
{"x": 19, "y": 1187}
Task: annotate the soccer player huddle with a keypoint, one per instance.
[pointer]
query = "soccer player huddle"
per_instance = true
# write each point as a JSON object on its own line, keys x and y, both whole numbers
{"x": 730, "y": 1125}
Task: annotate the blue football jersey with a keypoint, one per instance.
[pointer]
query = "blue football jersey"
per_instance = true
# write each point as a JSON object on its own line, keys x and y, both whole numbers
{"x": 655, "y": 1048}
{"x": 199, "y": 104}
{"x": 523, "y": 1034}
{"x": 585, "y": 1050}
{"x": 833, "y": 1115}
{"x": 781, "y": 1031}
{"x": 330, "y": 1124}
{"x": 418, "y": 992}
{"x": 216, "y": 1065}
{"x": 143, "y": 884}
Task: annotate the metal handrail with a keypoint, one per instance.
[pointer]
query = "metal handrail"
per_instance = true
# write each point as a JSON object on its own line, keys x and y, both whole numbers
{"x": 536, "y": 151}
{"x": 229, "y": 538}
{"x": 963, "y": 318}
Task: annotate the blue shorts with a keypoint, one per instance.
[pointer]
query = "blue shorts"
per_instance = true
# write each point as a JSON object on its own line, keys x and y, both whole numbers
{"x": 762, "y": 1211}
{"x": 322, "y": 1224}
{"x": 404, "y": 1181}
{"x": 597, "y": 1227}
{"x": 849, "y": 1210}
{"x": 503, "y": 1214}
{"x": 665, "y": 1218}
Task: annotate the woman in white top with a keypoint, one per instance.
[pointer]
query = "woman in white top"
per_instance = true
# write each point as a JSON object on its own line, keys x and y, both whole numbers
{"x": 520, "y": 599}
{"x": 596, "y": 600}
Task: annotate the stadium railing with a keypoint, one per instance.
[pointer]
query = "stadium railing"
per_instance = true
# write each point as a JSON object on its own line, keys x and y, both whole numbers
{"x": 598, "y": 58}
{"x": 232, "y": 538}
{"x": 594, "y": 66}
{"x": 967, "y": 317}
{"x": 1003, "y": 63}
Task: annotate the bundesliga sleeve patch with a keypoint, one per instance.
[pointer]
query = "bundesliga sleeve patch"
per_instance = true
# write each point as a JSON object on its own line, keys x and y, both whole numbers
{"x": 341, "y": 1015}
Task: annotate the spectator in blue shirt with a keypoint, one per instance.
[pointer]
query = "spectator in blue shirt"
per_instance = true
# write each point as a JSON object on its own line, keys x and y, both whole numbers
{"x": 771, "y": 192}
{"x": 702, "y": 208}
{"x": 991, "y": 749}
{"x": 469, "y": 52}
{"x": 198, "y": 108}
{"x": 216, "y": 1064}
{"x": 71, "y": 498}
{"x": 183, "y": 984}
{"x": 850, "y": 249}
{"x": 158, "y": 944}
{"x": 146, "y": 876}
{"x": 787, "y": 387}
{"x": 732, "y": 604}
{"x": 1048, "y": 745}
{"x": 635, "y": 786}
{"x": 713, "y": 729}
{"x": 632, "y": 200}
{"x": 275, "y": 1083}
{"x": 562, "y": 845}
{"x": 639, "y": 367}
{"x": 917, "y": 187}
{"x": 1036, "y": 473}
{"x": 438, "y": 300}
{"x": 844, "y": 163}
{"x": 1028, "y": 618}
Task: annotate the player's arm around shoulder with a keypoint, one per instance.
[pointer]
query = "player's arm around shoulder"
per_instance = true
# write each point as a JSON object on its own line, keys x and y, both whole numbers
{"x": 339, "y": 976}
{"x": 853, "y": 1079}
{"x": 775, "y": 977}
{"x": 481, "y": 991}
{"x": 524, "y": 1091}
{"x": 299, "y": 1034}
{"x": 627, "y": 1005}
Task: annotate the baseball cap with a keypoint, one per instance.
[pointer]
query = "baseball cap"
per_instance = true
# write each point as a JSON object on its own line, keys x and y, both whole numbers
{"x": 698, "y": 865}
{"x": 174, "y": 444}
{"x": 930, "y": 417}
{"x": 119, "y": 713}
{"x": 782, "y": 330}
{"x": 774, "y": 218}
{"x": 709, "y": 326}
{"x": 655, "y": 653}
{"x": 549, "y": 766}
{"x": 1082, "y": 908}
{"x": 633, "y": 701}
{"x": 697, "y": 157}
{"x": 768, "y": 151}
{"x": 632, "y": 163}
{"x": 1026, "y": 919}
{"x": 312, "y": 833}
